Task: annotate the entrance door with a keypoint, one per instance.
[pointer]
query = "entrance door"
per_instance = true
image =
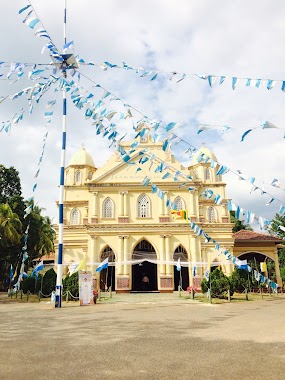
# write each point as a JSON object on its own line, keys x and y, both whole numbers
{"x": 107, "y": 276}
{"x": 144, "y": 274}
{"x": 181, "y": 277}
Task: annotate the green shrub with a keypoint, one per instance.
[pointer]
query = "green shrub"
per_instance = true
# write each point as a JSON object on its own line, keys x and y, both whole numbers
{"x": 71, "y": 284}
{"x": 49, "y": 282}
{"x": 220, "y": 284}
{"x": 31, "y": 284}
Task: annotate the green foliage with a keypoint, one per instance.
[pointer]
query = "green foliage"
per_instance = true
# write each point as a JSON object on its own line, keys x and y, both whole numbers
{"x": 49, "y": 281}
{"x": 31, "y": 284}
{"x": 238, "y": 224}
{"x": 282, "y": 274}
{"x": 241, "y": 280}
{"x": 274, "y": 227}
{"x": 10, "y": 227}
{"x": 71, "y": 283}
{"x": 220, "y": 284}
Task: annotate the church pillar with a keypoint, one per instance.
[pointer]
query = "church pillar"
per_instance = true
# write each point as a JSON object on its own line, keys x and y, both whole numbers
{"x": 168, "y": 254}
{"x": 91, "y": 254}
{"x": 277, "y": 270}
{"x": 162, "y": 255}
{"x": 165, "y": 209}
{"x": 121, "y": 203}
{"x": 94, "y": 210}
{"x": 120, "y": 254}
{"x": 125, "y": 195}
{"x": 192, "y": 258}
{"x": 194, "y": 207}
{"x": 122, "y": 275}
{"x": 94, "y": 217}
{"x": 126, "y": 272}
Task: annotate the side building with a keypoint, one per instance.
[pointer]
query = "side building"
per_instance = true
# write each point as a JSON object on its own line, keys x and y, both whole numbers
{"x": 109, "y": 213}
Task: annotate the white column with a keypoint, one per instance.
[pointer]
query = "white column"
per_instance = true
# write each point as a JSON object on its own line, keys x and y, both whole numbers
{"x": 121, "y": 203}
{"x": 126, "y": 254}
{"x": 92, "y": 253}
{"x": 120, "y": 254}
{"x": 192, "y": 257}
{"x": 125, "y": 203}
{"x": 165, "y": 209}
{"x": 167, "y": 254}
{"x": 95, "y": 206}
{"x": 192, "y": 204}
{"x": 162, "y": 254}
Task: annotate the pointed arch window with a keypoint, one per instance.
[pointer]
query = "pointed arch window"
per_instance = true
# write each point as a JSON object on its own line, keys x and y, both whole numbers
{"x": 75, "y": 216}
{"x": 208, "y": 176}
{"x": 108, "y": 252}
{"x": 180, "y": 204}
{"x": 212, "y": 215}
{"x": 78, "y": 177}
{"x": 143, "y": 206}
{"x": 108, "y": 208}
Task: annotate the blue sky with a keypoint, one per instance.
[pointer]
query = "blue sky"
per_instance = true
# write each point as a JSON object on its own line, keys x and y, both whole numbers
{"x": 224, "y": 38}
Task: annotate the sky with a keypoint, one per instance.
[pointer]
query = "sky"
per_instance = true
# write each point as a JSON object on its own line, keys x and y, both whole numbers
{"x": 231, "y": 39}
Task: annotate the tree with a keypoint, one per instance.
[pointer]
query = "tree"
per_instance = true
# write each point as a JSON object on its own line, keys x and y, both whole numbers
{"x": 71, "y": 283}
{"x": 41, "y": 234}
{"x": 49, "y": 282}
{"x": 275, "y": 230}
{"x": 219, "y": 284}
{"x": 238, "y": 224}
{"x": 11, "y": 191}
{"x": 10, "y": 227}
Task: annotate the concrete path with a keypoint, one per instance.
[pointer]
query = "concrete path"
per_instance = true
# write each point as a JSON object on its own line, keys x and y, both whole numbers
{"x": 138, "y": 336}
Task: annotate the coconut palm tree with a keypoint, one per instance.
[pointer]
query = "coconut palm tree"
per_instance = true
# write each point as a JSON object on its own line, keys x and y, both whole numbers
{"x": 10, "y": 227}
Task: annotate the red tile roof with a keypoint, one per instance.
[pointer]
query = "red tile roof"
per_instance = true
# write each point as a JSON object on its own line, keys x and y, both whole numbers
{"x": 251, "y": 235}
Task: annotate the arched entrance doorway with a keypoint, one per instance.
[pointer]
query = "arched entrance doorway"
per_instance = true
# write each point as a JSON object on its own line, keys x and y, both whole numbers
{"x": 144, "y": 252}
{"x": 255, "y": 258}
{"x": 107, "y": 276}
{"x": 182, "y": 275}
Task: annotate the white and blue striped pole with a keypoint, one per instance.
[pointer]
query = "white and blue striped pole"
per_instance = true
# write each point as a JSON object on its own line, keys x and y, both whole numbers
{"x": 58, "y": 296}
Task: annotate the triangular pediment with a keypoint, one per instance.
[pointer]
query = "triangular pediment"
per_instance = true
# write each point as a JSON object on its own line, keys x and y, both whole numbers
{"x": 116, "y": 170}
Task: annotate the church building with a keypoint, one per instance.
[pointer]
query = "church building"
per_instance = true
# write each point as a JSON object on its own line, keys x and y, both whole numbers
{"x": 109, "y": 212}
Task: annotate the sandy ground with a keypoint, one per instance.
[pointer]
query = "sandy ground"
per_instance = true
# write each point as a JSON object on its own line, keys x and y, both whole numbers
{"x": 143, "y": 337}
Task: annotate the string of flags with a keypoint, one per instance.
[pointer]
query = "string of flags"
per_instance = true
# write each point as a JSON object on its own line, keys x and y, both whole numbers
{"x": 198, "y": 231}
{"x": 225, "y": 128}
{"x": 172, "y": 138}
{"x": 31, "y": 20}
{"x": 29, "y": 208}
{"x": 177, "y": 77}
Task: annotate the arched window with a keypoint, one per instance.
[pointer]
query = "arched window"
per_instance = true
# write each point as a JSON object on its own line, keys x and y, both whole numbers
{"x": 208, "y": 176}
{"x": 180, "y": 204}
{"x": 180, "y": 252}
{"x": 212, "y": 215}
{"x": 108, "y": 208}
{"x": 90, "y": 175}
{"x": 143, "y": 206}
{"x": 75, "y": 216}
{"x": 78, "y": 177}
{"x": 108, "y": 252}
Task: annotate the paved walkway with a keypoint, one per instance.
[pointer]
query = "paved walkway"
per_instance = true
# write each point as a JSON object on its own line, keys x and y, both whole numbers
{"x": 143, "y": 336}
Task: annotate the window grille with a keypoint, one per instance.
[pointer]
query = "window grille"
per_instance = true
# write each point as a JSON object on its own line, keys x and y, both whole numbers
{"x": 212, "y": 215}
{"x": 207, "y": 174}
{"x": 74, "y": 216}
{"x": 78, "y": 176}
{"x": 108, "y": 208}
{"x": 180, "y": 204}
{"x": 143, "y": 206}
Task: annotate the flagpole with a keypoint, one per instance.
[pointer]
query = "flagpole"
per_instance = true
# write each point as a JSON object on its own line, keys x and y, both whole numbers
{"x": 58, "y": 297}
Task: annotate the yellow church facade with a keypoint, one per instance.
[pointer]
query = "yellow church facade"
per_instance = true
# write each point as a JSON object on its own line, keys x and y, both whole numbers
{"x": 108, "y": 212}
